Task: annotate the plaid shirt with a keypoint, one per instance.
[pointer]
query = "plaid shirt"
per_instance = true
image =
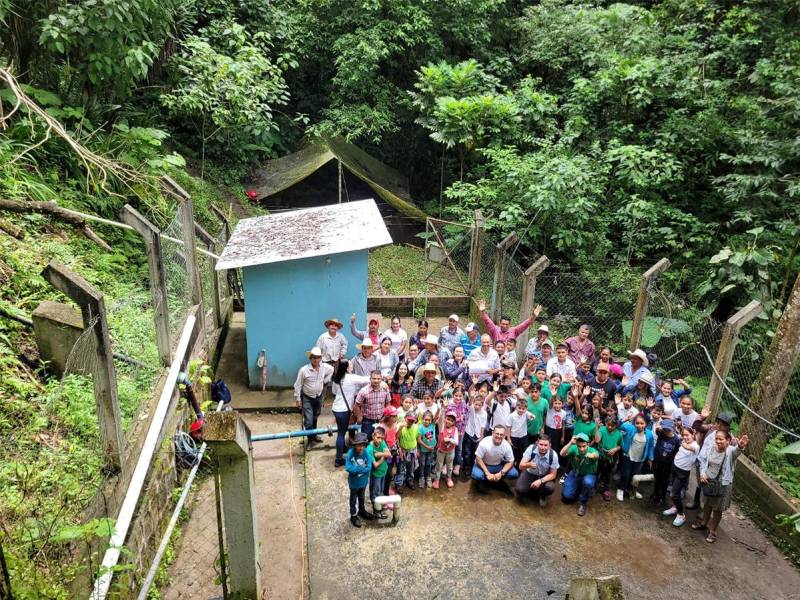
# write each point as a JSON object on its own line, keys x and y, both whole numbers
{"x": 421, "y": 386}
{"x": 372, "y": 402}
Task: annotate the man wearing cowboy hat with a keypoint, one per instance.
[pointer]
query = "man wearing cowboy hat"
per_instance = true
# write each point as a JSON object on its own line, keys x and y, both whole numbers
{"x": 309, "y": 388}
{"x": 431, "y": 347}
{"x": 634, "y": 368}
{"x": 534, "y": 347}
{"x": 427, "y": 383}
{"x": 332, "y": 343}
{"x": 365, "y": 362}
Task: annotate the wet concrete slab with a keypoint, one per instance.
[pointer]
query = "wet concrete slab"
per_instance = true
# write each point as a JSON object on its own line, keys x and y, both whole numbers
{"x": 462, "y": 544}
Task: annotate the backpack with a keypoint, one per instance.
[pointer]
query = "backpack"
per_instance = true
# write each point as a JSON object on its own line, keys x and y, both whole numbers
{"x": 220, "y": 392}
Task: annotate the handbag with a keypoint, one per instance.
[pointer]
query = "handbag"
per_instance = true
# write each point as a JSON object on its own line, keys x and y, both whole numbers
{"x": 713, "y": 487}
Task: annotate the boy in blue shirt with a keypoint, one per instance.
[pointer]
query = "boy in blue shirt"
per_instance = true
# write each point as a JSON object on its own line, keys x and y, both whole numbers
{"x": 358, "y": 465}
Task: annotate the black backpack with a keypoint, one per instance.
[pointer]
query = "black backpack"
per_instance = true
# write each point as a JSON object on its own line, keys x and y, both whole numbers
{"x": 220, "y": 392}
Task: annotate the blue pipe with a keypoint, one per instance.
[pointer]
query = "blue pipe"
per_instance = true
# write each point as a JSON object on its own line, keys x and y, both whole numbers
{"x": 265, "y": 437}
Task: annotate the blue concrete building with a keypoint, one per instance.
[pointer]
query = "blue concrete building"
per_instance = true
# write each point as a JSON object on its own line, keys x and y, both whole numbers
{"x": 300, "y": 268}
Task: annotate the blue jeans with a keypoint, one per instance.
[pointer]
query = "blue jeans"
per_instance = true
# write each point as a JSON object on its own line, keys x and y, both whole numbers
{"x": 629, "y": 469}
{"x": 427, "y": 461}
{"x": 342, "y": 422}
{"x": 312, "y": 407}
{"x": 357, "y": 494}
{"x": 367, "y": 425}
{"x": 569, "y": 491}
{"x": 459, "y": 450}
{"x": 477, "y": 472}
{"x": 376, "y": 487}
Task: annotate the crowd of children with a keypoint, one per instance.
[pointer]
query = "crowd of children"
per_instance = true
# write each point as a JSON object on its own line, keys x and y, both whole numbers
{"x": 459, "y": 406}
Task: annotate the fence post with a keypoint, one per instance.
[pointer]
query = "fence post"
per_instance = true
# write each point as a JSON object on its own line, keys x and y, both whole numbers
{"x": 500, "y": 258}
{"x": 476, "y": 250}
{"x": 229, "y": 438}
{"x": 226, "y": 224}
{"x": 158, "y": 280}
{"x": 727, "y": 346}
{"x": 773, "y": 380}
{"x": 210, "y": 243}
{"x": 642, "y": 301}
{"x": 528, "y": 296}
{"x": 186, "y": 218}
{"x": 104, "y": 377}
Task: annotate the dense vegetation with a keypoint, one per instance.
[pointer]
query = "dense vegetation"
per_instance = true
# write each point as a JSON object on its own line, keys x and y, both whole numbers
{"x": 603, "y": 133}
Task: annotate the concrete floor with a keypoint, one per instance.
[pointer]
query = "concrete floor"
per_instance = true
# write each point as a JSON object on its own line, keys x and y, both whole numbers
{"x": 457, "y": 543}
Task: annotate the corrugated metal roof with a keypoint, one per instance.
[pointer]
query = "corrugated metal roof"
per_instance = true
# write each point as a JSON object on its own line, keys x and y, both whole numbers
{"x": 304, "y": 233}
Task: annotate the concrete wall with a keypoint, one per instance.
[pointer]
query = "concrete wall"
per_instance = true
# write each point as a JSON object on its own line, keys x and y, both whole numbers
{"x": 287, "y": 303}
{"x": 438, "y": 306}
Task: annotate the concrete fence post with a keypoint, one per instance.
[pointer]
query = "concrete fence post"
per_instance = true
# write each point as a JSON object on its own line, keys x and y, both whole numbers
{"x": 104, "y": 377}
{"x": 528, "y": 299}
{"x": 773, "y": 380}
{"x": 500, "y": 258}
{"x": 640, "y": 312}
{"x": 229, "y": 439}
{"x": 158, "y": 280}
{"x": 727, "y": 347}
{"x": 476, "y": 250}
{"x": 186, "y": 217}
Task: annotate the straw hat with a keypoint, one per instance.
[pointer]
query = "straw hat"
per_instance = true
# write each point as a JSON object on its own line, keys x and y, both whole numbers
{"x": 367, "y": 343}
{"x": 315, "y": 351}
{"x": 333, "y": 321}
{"x": 640, "y": 354}
{"x": 429, "y": 367}
{"x": 431, "y": 339}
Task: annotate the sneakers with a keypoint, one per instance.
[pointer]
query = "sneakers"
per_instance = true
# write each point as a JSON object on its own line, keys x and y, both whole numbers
{"x": 637, "y": 495}
{"x": 620, "y": 495}
{"x": 429, "y": 483}
{"x": 607, "y": 495}
{"x": 581, "y": 510}
{"x": 410, "y": 484}
{"x": 542, "y": 501}
{"x": 456, "y": 470}
{"x": 670, "y": 511}
{"x": 338, "y": 462}
{"x": 421, "y": 483}
{"x": 381, "y": 514}
{"x": 355, "y": 521}
{"x": 562, "y": 480}
{"x": 436, "y": 484}
{"x": 679, "y": 520}
{"x": 367, "y": 516}
{"x": 449, "y": 482}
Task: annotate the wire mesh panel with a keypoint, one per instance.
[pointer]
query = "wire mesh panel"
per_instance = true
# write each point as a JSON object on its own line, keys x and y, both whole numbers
{"x": 447, "y": 250}
{"x": 179, "y": 287}
{"x": 513, "y": 281}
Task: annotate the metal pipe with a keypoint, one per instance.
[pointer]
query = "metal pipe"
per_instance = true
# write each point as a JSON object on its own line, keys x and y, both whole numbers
{"x": 265, "y": 437}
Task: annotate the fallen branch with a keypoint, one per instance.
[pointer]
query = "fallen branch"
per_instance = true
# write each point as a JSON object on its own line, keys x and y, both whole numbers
{"x": 11, "y": 229}
{"x": 53, "y": 209}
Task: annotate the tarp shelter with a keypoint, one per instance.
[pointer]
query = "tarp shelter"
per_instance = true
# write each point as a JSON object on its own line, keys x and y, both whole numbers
{"x": 282, "y": 173}
{"x": 300, "y": 268}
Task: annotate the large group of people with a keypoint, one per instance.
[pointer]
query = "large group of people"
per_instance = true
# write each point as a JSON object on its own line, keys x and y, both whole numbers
{"x": 430, "y": 410}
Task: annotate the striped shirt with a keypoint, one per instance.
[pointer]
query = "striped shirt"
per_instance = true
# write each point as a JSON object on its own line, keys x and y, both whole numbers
{"x": 332, "y": 347}
{"x": 421, "y": 387}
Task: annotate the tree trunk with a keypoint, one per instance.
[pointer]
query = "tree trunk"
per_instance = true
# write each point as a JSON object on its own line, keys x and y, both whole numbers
{"x": 53, "y": 209}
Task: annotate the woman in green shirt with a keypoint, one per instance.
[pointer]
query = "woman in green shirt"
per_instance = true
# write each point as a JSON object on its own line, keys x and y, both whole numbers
{"x": 587, "y": 423}
{"x": 554, "y": 388}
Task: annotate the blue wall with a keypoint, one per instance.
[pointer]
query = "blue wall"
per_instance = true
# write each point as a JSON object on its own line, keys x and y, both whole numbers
{"x": 287, "y": 303}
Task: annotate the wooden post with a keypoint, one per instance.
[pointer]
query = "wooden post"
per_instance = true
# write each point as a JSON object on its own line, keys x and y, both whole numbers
{"x": 476, "y": 249}
{"x": 640, "y": 313}
{"x": 528, "y": 296}
{"x": 104, "y": 376}
{"x": 727, "y": 346}
{"x": 226, "y": 224}
{"x": 773, "y": 380}
{"x": 229, "y": 438}
{"x": 210, "y": 243}
{"x": 500, "y": 274}
{"x": 186, "y": 218}
{"x": 158, "y": 280}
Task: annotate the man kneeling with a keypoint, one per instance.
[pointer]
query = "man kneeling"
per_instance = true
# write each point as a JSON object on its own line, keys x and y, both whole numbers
{"x": 539, "y": 466}
{"x": 582, "y": 478}
{"x": 494, "y": 458}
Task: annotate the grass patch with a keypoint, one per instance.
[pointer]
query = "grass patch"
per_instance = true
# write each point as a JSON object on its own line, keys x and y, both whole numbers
{"x": 400, "y": 270}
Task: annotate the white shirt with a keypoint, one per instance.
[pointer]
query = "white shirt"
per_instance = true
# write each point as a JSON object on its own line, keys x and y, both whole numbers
{"x": 311, "y": 381}
{"x": 476, "y": 422}
{"x": 565, "y": 369}
{"x": 346, "y": 392}
{"x": 332, "y": 347}
{"x": 502, "y": 413}
{"x": 684, "y": 459}
{"x": 519, "y": 424}
{"x": 491, "y": 360}
{"x": 686, "y": 420}
{"x": 493, "y": 455}
{"x": 397, "y": 338}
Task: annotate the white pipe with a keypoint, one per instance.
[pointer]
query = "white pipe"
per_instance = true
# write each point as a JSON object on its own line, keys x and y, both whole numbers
{"x": 123, "y": 522}
{"x": 126, "y": 226}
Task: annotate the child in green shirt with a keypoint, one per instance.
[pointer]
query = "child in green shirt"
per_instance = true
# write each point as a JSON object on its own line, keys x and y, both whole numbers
{"x": 407, "y": 439}
{"x": 378, "y": 451}
{"x": 608, "y": 440}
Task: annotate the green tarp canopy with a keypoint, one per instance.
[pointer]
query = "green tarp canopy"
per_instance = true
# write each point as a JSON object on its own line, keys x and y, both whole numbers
{"x": 282, "y": 173}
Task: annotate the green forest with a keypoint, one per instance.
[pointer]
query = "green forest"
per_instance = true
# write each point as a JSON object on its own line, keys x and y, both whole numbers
{"x": 608, "y": 135}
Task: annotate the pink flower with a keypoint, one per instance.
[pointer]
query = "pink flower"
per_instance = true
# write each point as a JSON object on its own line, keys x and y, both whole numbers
{"x": 252, "y": 194}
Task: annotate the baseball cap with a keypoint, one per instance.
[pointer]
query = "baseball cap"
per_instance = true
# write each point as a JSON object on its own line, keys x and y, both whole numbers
{"x": 454, "y": 317}
{"x": 582, "y": 436}
{"x": 471, "y": 327}
{"x": 725, "y": 417}
{"x": 603, "y": 366}
{"x": 668, "y": 424}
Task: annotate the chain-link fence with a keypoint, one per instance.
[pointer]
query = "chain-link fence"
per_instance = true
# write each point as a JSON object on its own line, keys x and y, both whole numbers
{"x": 447, "y": 256}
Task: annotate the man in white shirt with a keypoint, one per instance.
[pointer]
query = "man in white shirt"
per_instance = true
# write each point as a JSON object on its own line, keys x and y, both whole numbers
{"x": 494, "y": 458}
{"x": 486, "y": 359}
{"x": 562, "y": 364}
{"x": 309, "y": 388}
{"x": 332, "y": 343}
